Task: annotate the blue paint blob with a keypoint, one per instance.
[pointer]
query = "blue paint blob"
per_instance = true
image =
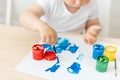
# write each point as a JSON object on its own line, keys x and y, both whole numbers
{"x": 73, "y": 48}
{"x": 58, "y": 49}
{"x": 74, "y": 68}
{"x": 63, "y": 43}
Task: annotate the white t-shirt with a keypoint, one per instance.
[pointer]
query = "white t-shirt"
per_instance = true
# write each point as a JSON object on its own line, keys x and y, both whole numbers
{"x": 60, "y": 19}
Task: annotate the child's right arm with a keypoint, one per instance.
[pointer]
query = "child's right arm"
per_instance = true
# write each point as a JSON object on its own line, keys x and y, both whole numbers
{"x": 30, "y": 19}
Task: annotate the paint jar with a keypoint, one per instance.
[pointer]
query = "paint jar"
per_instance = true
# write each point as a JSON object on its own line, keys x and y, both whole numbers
{"x": 98, "y": 50}
{"x": 38, "y": 51}
{"x": 50, "y": 55}
{"x": 110, "y": 52}
{"x": 102, "y": 63}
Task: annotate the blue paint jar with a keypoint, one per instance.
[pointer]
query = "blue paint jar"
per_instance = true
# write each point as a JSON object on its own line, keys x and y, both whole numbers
{"x": 98, "y": 50}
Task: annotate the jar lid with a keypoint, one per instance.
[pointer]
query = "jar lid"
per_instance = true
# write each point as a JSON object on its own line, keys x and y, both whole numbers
{"x": 50, "y": 55}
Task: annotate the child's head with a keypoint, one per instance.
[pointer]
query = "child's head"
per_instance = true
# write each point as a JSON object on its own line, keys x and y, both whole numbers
{"x": 73, "y": 3}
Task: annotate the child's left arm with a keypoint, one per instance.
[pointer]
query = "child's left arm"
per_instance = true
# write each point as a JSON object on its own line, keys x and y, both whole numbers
{"x": 92, "y": 28}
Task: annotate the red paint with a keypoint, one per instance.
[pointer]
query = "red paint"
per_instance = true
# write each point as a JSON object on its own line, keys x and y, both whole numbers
{"x": 50, "y": 55}
{"x": 38, "y": 51}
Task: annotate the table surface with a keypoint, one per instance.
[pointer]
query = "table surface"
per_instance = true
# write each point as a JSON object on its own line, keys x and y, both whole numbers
{"x": 15, "y": 44}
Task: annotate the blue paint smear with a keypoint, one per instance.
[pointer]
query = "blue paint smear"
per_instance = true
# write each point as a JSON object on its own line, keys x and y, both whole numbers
{"x": 63, "y": 43}
{"x": 79, "y": 57}
{"x": 58, "y": 40}
{"x": 46, "y": 45}
{"x": 73, "y": 48}
{"x": 74, "y": 68}
{"x": 58, "y": 49}
{"x": 50, "y": 48}
{"x": 54, "y": 67}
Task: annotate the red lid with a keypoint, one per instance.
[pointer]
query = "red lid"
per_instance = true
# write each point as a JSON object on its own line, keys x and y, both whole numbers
{"x": 50, "y": 55}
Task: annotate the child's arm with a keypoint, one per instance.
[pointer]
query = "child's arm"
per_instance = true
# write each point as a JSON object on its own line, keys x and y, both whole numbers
{"x": 92, "y": 30}
{"x": 30, "y": 19}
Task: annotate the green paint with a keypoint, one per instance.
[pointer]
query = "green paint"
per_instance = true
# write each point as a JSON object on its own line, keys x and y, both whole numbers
{"x": 102, "y": 63}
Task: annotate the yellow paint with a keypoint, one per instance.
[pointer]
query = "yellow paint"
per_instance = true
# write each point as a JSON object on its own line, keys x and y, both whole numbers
{"x": 110, "y": 52}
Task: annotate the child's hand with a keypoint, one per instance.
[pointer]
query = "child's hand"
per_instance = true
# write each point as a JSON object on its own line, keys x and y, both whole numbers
{"x": 90, "y": 39}
{"x": 48, "y": 34}
{"x": 92, "y": 33}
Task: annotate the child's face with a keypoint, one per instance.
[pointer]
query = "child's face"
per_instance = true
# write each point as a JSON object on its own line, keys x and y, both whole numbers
{"x": 73, "y": 3}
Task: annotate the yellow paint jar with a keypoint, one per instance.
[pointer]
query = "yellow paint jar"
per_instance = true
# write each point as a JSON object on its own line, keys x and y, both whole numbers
{"x": 110, "y": 52}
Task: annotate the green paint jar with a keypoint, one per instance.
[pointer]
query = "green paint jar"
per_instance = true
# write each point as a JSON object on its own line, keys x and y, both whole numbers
{"x": 102, "y": 63}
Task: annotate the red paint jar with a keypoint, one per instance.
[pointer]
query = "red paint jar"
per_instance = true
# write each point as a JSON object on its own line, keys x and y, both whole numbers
{"x": 38, "y": 51}
{"x": 50, "y": 55}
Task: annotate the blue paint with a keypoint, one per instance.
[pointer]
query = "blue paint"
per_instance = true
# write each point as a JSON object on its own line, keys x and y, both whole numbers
{"x": 98, "y": 50}
{"x": 58, "y": 40}
{"x": 73, "y": 48}
{"x": 74, "y": 68}
{"x": 79, "y": 57}
{"x": 63, "y": 43}
{"x": 58, "y": 49}
{"x": 46, "y": 45}
{"x": 50, "y": 48}
{"x": 54, "y": 67}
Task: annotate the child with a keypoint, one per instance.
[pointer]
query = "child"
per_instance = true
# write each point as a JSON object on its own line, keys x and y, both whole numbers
{"x": 52, "y": 16}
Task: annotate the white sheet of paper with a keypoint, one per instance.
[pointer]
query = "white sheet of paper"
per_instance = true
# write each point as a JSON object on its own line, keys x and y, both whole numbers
{"x": 37, "y": 68}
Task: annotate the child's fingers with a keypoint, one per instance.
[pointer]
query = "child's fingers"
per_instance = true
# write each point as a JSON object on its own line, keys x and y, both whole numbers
{"x": 48, "y": 39}
{"x": 43, "y": 38}
{"x": 53, "y": 40}
{"x": 91, "y": 42}
{"x": 90, "y": 39}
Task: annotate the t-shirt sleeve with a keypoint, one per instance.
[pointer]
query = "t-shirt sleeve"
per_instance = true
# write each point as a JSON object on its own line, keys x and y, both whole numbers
{"x": 94, "y": 10}
{"x": 45, "y": 4}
